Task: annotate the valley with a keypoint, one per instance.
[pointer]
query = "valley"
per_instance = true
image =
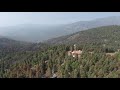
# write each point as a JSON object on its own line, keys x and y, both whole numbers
{"x": 91, "y": 53}
{"x": 59, "y": 45}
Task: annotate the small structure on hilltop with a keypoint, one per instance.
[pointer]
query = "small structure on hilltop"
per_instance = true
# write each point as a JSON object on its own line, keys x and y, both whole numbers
{"x": 75, "y": 52}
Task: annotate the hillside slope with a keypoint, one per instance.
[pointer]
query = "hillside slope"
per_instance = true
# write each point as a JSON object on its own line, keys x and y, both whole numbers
{"x": 106, "y": 35}
{"x": 9, "y": 45}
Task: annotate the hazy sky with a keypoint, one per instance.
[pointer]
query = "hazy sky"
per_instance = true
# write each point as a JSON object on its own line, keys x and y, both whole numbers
{"x": 15, "y": 18}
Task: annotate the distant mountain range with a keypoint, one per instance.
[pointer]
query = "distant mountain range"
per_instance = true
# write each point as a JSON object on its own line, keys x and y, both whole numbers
{"x": 100, "y": 36}
{"x": 39, "y": 33}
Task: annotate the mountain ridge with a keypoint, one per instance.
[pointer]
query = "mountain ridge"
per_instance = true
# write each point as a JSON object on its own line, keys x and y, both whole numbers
{"x": 108, "y": 35}
{"x": 39, "y": 33}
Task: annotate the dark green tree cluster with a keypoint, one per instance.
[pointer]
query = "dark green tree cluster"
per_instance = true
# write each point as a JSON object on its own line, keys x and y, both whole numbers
{"x": 55, "y": 60}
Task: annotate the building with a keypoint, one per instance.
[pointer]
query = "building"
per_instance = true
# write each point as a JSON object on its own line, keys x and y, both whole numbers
{"x": 75, "y": 52}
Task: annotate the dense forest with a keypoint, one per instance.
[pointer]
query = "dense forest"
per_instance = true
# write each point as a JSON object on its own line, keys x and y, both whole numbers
{"x": 51, "y": 60}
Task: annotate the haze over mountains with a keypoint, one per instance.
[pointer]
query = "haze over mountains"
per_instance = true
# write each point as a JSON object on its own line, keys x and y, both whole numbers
{"x": 39, "y": 33}
{"x": 95, "y": 55}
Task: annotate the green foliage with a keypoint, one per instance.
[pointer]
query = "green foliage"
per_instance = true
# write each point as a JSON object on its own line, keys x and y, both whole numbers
{"x": 42, "y": 60}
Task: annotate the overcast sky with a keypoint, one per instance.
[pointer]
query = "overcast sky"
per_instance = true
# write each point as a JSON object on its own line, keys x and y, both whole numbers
{"x": 15, "y": 18}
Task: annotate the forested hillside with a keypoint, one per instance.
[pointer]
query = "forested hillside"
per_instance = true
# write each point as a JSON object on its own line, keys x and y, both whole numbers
{"x": 51, "y": 60}
{"x": 107, "y": 36}
{"x": 54, "y": 60}
{"x": 9, "y": 46}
